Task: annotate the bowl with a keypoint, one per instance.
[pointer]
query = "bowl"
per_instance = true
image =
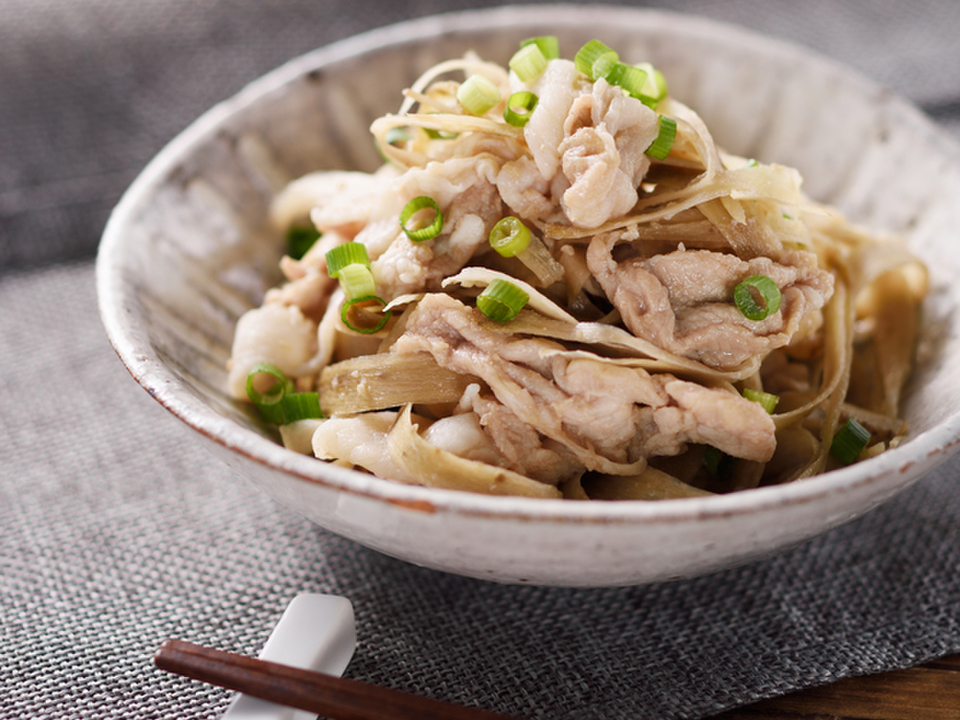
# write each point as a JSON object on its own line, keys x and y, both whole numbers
{"x": 188, "y": 249}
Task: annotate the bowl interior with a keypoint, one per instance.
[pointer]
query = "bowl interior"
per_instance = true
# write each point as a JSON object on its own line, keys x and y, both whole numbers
{"x": 189, "y": 250}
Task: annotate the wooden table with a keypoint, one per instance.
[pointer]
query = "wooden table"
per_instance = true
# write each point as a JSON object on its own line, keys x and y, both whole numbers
{"x": 928, "y": 692}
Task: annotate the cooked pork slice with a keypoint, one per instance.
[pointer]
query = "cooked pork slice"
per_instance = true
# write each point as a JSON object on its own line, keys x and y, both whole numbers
{"x": 683, "y": 301}
{"x": 602, "y": 154}
{"x": 609, "y": 416}
{"x": 465, "y": 191}
{"x": 521, "y": 448}
{"x": 556, "y": 89}
{"x": 588, "y": 141}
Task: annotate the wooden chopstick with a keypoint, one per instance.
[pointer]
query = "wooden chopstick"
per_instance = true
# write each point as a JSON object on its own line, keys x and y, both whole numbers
{"x": 333, "y": 697}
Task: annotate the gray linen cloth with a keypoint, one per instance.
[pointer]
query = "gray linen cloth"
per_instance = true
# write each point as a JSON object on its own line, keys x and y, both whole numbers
{"x": 117, "y": 530}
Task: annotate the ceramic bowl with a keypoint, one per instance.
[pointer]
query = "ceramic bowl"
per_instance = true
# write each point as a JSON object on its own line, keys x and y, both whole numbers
{"x": 188, "y": 250}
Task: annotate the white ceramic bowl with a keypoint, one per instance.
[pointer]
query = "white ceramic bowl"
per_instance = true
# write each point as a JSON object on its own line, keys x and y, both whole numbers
{"x": 187, "y": 250}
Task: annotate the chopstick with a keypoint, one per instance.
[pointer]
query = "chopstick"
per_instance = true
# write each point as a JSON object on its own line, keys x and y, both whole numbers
{"x": 333, "y": 697}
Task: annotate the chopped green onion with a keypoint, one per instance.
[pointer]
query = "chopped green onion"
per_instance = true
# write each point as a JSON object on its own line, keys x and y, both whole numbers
{"x": 604, "y": 65}
{"x": 509, "y": 236}
{"x": 849, "y": 442}
{"x": 629, "y": 78}
{"x": 274, "y": 393}
{"x": 356, "y": 314}
{"x": 423, "y": 232}
{"x": 752, "y": 162}
{"x": 397, "y": 135}
{"x": 439, "y": 134}
{"x": 478, "y": 95}
{"x": 501, "y": 300}
{"x": 747, "y": 304}
{"x": 655, "y": 86}
{"x": 301, "y": 238}
{"x": 661, "y": 147}
{"x": 279, "y": 404}
{"x": 767, "y": 400}
{"x": 356, "y": 280}
{"x": 717, "y": 462}
{"x": 519, "y": 107}
{"x": 349, "y": 253}
{"x": 548, "y": 44}
{"x": 528, "y": 63}
{"x": 300, "y": 406}
{"x": 588, "y": 55}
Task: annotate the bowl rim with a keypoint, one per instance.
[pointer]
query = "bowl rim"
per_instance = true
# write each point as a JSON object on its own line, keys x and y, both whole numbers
{"x": 919, "y": 454}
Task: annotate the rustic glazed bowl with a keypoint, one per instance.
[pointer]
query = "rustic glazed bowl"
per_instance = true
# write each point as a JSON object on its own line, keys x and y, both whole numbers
{"x": 188, "y": 249}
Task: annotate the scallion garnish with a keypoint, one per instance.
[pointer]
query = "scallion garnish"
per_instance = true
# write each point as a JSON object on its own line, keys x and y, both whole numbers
{"x": 349, "y": 253}
{"x": 478, "y": 95}
{"x": 300, "y": 406}
{"x": 509, "y": 236}
{"x": 356, "y": 281}
{"x": 519, "y": 107}
{"x": 767, "y": 400}
{"x": 655, "y": 87}
{"x": 628, "y": 77}
{"x": 275, "y": 390}
{"x": 423, "y": 232}
{"x": 589, "y": 54}
{"x": 849, "y": 442}
{"x": 357, "y": 315}
{"x": 666, "y": 136}
{"x": 528, "y": 63}
{"x": 501, "y": 300}
{"x": 301, "y": 238}
{"x": 748, "y": 305}
{"x": 397, "y": 135}
{"x": 717, "y": 462}
{"x": 279, "y": 404}
{"x": 548, "y": 44}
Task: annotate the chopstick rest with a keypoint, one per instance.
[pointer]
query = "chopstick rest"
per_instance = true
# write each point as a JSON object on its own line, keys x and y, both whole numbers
{"x": 332, "y": 697}
{"x": 315, "y": 632}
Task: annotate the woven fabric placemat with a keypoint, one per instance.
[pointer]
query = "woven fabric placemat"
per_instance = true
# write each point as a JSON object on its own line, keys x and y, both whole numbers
{"x": 118, "y": 529}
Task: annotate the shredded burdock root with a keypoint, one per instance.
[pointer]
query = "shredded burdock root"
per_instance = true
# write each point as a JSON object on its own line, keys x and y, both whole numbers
{"x": 557, "y": 285}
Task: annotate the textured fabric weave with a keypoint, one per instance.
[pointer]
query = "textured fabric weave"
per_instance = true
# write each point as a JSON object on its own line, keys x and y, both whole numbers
{"x": 119, "y": 530}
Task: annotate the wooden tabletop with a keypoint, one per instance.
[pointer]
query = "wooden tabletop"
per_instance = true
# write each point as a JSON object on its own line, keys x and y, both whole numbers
{"x": 927, "y": 692}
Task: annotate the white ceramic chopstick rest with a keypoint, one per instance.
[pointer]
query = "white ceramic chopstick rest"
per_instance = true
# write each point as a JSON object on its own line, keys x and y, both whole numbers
{"x": 315, "y": 632}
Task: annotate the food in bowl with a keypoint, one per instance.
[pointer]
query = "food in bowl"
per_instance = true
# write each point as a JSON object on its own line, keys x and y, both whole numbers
{"x": 558, "y": 285}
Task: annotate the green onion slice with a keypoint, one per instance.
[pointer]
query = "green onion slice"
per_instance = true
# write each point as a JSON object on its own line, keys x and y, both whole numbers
{"x": 301, "y": 238}
{"x": 603, "y": 66}
{"x": 628, "y": 77}
{"x": 397, "y": 136}
{"x": 501, "y": 300}
{"x": 478, "y": 95}
{"x": 528, "y": 63}
{"x": 365, "y": 314}
{"x": 589, "y": 54}
{"x": 274, "y": 393}
{"x": 519, "y": 107}
{"x": 743, "y": 297}
{"x": 548, "y": 44}
{"x": 356, "y": 280}
{"x": 349, "y": 253}
{"x": 301, "y": 406}
{"x": 717, "y": 462}
{"x": 849, "y": 442}
{"x": 661, "y": 147}
{"x": 509, "y": 236}
{"x": 767, "y": 400}
{"x": 279, "y": 404}
{"x": 655, "y": 86}
{"x": 423, "y": 232}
